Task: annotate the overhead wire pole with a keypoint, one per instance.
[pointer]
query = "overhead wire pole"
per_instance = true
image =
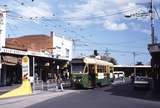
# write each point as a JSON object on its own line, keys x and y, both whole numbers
{"x": 151, "y": 15}
{"x": 152, "y": 22}
{"x": 134, "y": 62}
{"x": 74, "y": 47}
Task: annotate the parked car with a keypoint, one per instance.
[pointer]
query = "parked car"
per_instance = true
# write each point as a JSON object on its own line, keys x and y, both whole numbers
{"x": 141, "y": 82}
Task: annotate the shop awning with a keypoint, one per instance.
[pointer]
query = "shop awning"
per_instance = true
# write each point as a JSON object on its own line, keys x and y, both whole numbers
{"x": 10, "y": 60}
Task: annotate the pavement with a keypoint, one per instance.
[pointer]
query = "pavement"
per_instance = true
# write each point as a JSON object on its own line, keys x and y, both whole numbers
{"x": 8, "y": 88}
{"x": 26, "y": 101}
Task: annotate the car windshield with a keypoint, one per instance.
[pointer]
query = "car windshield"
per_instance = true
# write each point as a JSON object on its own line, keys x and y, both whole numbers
{"x": 141, "y": 74}
{"x": 77, "y": 68}
{"x": 141, "y": 78}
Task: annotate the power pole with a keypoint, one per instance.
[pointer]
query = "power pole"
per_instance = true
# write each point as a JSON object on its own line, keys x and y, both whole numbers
{"x": 134, "y": 62}
{"x": 154, "y": 50}
{"x": 74, "y": 46}
{"x": 2, "y": 27}
{"x": 151, "y": 15}
{"x": 152, "y": 21}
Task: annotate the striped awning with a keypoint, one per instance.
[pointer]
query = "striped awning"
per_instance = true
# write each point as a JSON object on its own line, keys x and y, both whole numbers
{"x": 10, "y": 60}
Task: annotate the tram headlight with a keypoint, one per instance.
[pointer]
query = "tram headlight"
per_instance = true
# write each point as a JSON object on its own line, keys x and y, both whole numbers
{"x": 79, "y": 80}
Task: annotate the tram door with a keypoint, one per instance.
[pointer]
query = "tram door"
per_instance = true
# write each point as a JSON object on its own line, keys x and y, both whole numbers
{"x": 92, "y": 75}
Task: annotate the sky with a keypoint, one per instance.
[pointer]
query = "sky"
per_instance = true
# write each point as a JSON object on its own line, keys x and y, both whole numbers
{"x": 92, "y": 24}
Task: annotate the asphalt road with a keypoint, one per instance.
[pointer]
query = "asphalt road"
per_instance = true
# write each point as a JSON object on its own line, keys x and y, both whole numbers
{"x": 123, "y": 96}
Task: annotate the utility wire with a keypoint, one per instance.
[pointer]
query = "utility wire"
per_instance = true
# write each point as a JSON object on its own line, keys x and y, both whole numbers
{"x": 76, "y": 18}
{"x": 116, "y": 51}
{"x": 157, "y": 13}
{"x": 12, "y": 31}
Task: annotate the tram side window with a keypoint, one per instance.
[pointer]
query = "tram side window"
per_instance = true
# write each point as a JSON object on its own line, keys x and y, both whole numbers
{"x": 98, "y": 68}
{"x": 101, "y": 69}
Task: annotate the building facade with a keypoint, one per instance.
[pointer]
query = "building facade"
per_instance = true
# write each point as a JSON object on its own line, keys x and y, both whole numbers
{"x": 49, "y": 56}
{"x": 62, "y": 48}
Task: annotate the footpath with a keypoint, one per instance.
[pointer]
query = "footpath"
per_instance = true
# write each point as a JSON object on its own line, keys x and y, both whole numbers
{"x": 26, "y": 101}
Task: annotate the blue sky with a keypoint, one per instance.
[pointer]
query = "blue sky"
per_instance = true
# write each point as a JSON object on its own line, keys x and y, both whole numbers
{"x": 93, "y": 24}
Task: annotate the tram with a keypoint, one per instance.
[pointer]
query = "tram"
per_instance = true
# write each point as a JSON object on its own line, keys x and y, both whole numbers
{"x": 90, "y": 72}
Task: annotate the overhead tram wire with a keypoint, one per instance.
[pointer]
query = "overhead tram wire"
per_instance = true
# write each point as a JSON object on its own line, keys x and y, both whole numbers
{"x": 74, "y": 18}
{"x": 69, "y": 19}
{"x": 11, "y": 29}
{"x": 157, "y": 13}
{"x": 93, "y": 43}
{"x": 115, "y": 51}
{"x": 121, "y": 44}
{"x": 89, "y": 18}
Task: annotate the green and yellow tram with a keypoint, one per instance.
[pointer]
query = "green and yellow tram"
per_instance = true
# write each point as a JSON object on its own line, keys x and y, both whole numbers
{"x": 90, "y": 72}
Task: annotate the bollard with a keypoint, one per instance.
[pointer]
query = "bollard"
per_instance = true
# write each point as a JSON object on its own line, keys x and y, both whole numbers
{"x": 61, "y": 85}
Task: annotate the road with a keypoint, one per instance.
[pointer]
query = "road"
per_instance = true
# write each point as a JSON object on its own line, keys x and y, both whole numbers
{"x": 117, "y": 96}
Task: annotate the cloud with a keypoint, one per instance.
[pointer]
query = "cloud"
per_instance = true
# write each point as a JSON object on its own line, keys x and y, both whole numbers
{"x": 146, "y": 31}
{"x": 83, "y": 24}
{"x": 82, "y": 11}
{"x": 108, "y": 13}
{"x": 100, "y": 10}
{"x": 39, "y": 9}
{"x": 139, "y": 27}
{"x": 115, "y": 26}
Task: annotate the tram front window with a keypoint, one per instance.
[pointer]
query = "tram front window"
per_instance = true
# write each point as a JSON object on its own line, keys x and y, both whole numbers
{"x": 77, "y": 68}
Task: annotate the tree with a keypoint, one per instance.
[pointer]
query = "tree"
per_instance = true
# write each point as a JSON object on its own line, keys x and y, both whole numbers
{"x": 105, "y": 57}
{"x": 109, "y": 59}
{"x": 113, "y": 60}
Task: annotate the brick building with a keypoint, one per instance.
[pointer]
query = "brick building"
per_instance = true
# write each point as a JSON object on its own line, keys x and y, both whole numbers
{"x": 48, "y": 55}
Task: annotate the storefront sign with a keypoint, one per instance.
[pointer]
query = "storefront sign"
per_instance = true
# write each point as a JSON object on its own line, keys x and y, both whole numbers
{"x": 40, "y": 54}
{"x": 25, "y": 67}
{"x": 13, "y": 51}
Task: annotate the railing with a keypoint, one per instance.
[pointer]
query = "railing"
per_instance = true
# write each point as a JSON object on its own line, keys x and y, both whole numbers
{"x": 50, "y": 85}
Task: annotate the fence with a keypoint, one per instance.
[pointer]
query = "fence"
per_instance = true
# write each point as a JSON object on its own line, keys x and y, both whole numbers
{"x": 50, "y": 85}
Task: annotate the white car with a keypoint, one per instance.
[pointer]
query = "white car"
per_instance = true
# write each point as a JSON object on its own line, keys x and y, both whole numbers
{"x": 119, "y": 81}
{"x": 141, "y": 82}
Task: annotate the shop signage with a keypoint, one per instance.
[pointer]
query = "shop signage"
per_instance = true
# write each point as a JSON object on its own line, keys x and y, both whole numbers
{"x": 25, "y": 67}
{"x": 13, "y": 51}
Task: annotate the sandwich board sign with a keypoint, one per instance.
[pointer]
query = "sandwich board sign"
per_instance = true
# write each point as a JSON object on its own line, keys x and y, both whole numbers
{"x": 25, "y": 67}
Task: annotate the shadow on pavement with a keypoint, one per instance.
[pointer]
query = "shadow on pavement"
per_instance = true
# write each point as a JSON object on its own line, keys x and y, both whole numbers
{"x": 127, "y": 90}
{"x": 6, "y": 89}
